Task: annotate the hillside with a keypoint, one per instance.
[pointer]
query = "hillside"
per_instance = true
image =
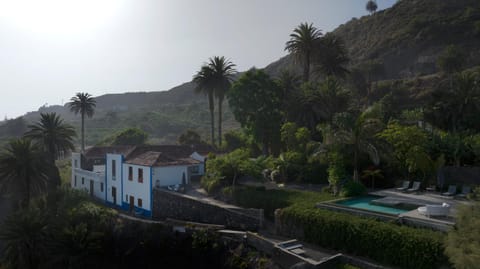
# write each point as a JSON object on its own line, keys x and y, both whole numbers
{"x": 164, "y": 115}
{"x": 407, "y": 38}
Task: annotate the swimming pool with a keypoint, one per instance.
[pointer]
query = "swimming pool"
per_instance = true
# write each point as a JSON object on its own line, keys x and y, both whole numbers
{"x": 365, "y": 202}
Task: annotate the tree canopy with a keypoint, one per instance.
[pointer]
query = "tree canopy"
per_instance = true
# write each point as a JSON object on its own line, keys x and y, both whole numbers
{"x": 130, "y": 136}
{"x": 84, "y": 104}
{"x": 255, "y": 100}
{"x": 301, "y": 45}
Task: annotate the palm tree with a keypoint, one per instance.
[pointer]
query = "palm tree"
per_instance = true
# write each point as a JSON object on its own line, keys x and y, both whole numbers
{"x": 55, "y": 137}
{"x": 372, "y": 174}
{"x": 455, "y": 108}
{"x": 301, "y": 45}
{"x": 222, "y": 75}
{"x": 317, "y": 103}
{"x": 23, "y": 166}
{"x": 203, "y": 81}
{"x": 358, "y": 130}
{"x": 371, "y": 6}
{"x": 84, "y": 104}
{"x": 289, "y": 83}
{"x": 331, "y": 56}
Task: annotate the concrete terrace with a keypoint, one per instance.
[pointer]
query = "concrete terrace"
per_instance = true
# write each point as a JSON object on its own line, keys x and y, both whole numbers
{"x": 423, "y": 198}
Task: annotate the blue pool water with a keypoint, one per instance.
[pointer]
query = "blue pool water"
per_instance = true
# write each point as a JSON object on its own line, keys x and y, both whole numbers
{"x": 364, "y": 203}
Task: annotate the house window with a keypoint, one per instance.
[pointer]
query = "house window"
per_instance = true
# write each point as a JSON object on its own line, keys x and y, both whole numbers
{"x": 101, "y": 187}
{"x": 75, "y": 182}
{"x": 76, "y": 163}
{"x": 139, "y": 202}
{"x": 114, "y": 169}
{"x": 130, "y": 173}
{"x": 140, "y": 175}
{"x": 83, "y": 180}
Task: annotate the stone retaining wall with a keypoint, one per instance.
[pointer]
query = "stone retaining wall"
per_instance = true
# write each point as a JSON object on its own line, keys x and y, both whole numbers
{"x": 167, "y": 204}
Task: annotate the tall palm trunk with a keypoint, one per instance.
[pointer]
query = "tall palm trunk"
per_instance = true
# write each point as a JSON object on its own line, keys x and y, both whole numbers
{"x": 27, "y": 187}
{"x": 355, "y": 163}
{"x": 212, "y": 117}
{"x": 220, "y": 103}
{"x": 83, "y": 132}
{"x": 306, "y": 68}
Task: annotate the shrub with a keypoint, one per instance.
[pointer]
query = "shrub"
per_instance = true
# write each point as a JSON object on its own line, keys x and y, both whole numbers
{"x": 402, "y": 246}
{"x": 352, "y": 188}
{"x": 336, "y": 172}
{"x": 211, "y": 183}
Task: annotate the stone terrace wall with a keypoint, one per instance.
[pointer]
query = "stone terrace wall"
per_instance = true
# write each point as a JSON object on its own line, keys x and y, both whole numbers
{"x": 167, "y": 204}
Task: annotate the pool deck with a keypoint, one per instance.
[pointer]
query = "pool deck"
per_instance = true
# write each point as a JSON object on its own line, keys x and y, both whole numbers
{"x": 423, "y": 198}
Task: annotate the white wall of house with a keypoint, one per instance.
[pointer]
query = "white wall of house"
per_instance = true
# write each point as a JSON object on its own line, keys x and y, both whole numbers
{"x": 114, "y": 178}
{"x": 81, "y": 178}
{"x": 76, "y": 159}
{"x": 169, "y": 175}
{"x": 99, "y": 168}
{"x": 136, "y": 188}
{"x": 90, "y": 182}
{"x": 201, "y": 166}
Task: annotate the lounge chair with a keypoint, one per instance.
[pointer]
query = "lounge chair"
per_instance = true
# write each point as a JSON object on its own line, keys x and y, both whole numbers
{"x": 465, "y": 191}
{"x": 404, "y": 186}
{"x": 452, "y": 190}
{"x": 434, "y": 210}
{"x": 415, "y": 187}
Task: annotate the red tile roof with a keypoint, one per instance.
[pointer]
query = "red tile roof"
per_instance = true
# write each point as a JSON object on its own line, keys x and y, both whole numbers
{"x": 100, "y": 152}
{"x": 151, "y": 155}
{"x": 153, "y": 158}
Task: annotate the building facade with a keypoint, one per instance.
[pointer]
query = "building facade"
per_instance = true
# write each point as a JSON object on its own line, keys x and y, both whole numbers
{"x": 124, "y": 176}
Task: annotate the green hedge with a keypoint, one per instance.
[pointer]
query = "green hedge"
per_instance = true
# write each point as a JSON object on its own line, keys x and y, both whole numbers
{"x": 384, "y": 242}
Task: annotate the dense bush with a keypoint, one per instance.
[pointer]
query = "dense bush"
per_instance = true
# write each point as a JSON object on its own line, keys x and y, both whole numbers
{"x": 211, "y": 183}
{"x": 352, "y": 188}
{"x": 384, "y": 242}
{"x": 226, "y": 170}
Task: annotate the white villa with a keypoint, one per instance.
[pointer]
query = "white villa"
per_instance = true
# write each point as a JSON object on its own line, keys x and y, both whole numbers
{"x": 124, "y": 176}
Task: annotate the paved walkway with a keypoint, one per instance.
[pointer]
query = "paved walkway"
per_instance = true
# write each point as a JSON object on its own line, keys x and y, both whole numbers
{"x": 196, "y": 191}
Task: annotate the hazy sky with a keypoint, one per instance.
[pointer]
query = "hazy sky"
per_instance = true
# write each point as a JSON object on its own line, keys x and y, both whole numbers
{"x": 51, "y": 49}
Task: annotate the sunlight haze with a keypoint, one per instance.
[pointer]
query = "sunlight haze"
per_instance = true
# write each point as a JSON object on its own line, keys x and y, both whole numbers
{"x": 51, "y": 49}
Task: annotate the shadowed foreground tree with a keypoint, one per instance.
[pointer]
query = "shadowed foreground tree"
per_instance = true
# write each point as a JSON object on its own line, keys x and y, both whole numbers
{"x": 23, "y": 168}
{"x": 24, "y": 233}
{"x": 302, "y": 44}
{"x": 84, "y": 104}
